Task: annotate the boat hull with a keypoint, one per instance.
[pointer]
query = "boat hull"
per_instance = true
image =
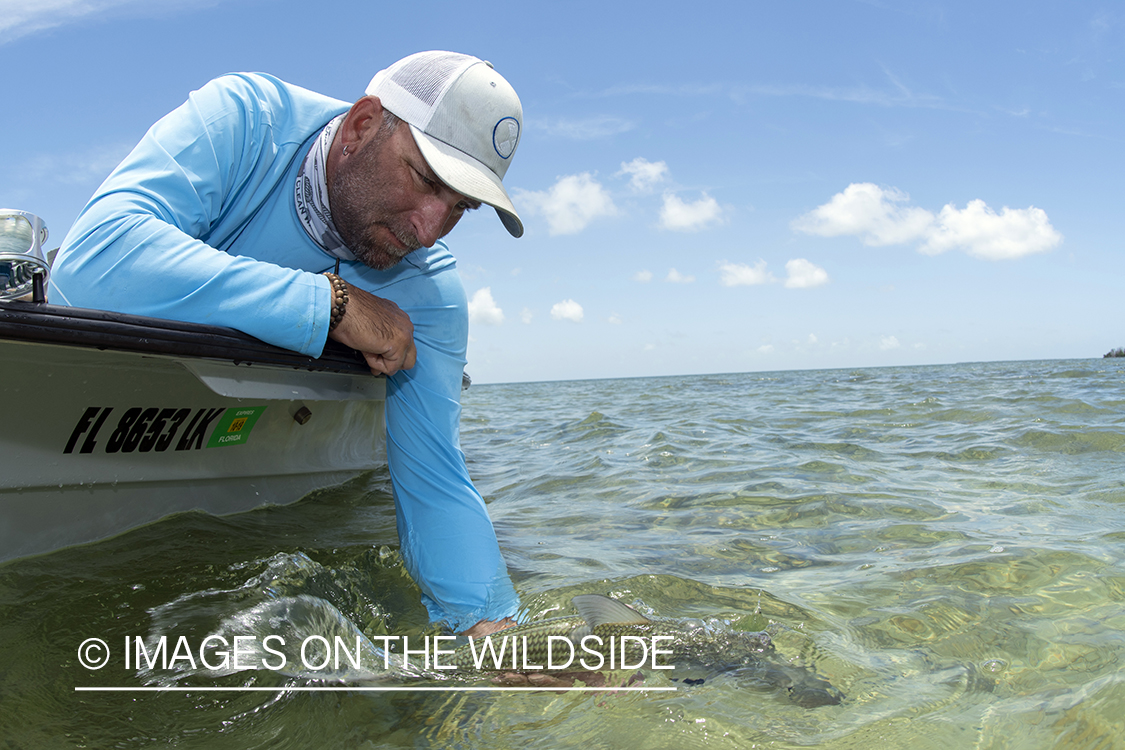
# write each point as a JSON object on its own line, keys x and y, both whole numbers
{"x": 98, "y": 439}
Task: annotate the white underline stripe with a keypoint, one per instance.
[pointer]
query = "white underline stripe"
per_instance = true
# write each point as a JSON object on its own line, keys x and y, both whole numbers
{"x": 339, "y": 688}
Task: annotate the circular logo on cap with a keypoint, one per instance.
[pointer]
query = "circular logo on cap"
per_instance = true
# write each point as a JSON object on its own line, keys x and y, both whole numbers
{"x": 505, "y": 136}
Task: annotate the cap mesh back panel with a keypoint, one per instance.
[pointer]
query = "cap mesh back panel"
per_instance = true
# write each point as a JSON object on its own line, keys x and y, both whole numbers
{"x": 427, "y": 77}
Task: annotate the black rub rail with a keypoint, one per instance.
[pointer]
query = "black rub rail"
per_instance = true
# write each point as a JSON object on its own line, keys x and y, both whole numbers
{"x": 99, "y": 329}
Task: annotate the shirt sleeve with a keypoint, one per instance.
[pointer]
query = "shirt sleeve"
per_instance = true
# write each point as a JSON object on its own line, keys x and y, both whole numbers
{"x": 161, "y": 237}
{"x": 447, "y": 539}
{"x": 149, "y": 241}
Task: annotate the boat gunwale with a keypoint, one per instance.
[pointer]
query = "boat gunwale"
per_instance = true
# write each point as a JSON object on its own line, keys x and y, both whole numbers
{"x": 102, "y": 329}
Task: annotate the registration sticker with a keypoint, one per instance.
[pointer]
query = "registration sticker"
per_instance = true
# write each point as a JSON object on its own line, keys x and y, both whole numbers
{"x": 235, "y": 425}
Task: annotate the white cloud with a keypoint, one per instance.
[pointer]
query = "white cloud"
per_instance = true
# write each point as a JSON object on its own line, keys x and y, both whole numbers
{"x": 804, "y": 275}
{"x": 886, "y": 343}
{"x": 676, "y": 277}
{"x": 483, "y": 309}
{"x": 568, "y": 309}
{"x": 983, "y": 233}
{"x": 643, "y": 276}
{"x": 689, "y": 217}
{"x": 570, "y": 204}
{"x": 644, "y": 174}
{"x": 74, "y": 168}
{"x": 765, "y": 349}
{"x": 615, "y": 319}
{"x": 869, "y": 212}
{"x": 19, "y": 18}
{"x": 882, "y": 217}
{"x": 739, "y": 274}
{"x": 586, "y": 129}
{"x": 526, "y": 315}
{"x": 892, "y": 94}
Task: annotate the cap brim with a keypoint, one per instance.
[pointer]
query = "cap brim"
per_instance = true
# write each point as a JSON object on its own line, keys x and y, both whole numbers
{"x": 468, "y": 177}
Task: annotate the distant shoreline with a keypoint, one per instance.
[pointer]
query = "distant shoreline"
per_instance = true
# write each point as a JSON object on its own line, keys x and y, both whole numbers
{"x": 1118, "y": 352}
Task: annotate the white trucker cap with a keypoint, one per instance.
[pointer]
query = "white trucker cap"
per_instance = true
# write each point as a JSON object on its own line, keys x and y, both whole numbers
{"x": 465, "y": 118}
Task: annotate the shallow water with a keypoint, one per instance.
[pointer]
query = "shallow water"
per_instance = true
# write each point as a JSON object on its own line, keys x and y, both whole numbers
{"x": 942, "y": 544}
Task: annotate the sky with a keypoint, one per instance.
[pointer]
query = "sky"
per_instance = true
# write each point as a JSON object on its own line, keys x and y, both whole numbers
{"x": 706, "y": 187}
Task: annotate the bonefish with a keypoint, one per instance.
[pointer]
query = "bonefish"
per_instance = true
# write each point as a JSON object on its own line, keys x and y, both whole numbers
{"x": 606, "y": 634}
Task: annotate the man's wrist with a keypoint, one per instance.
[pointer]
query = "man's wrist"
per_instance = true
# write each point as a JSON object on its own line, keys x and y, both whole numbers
{"x": 339, "y": 292}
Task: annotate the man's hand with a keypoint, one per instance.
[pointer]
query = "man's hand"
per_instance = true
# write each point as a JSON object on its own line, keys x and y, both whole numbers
{"x": 486, "y": 627}
{"x": 379, "y": 330}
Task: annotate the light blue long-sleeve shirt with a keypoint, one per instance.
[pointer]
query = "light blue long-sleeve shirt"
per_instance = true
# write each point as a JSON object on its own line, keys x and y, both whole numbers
{"x": 199, "y": 224}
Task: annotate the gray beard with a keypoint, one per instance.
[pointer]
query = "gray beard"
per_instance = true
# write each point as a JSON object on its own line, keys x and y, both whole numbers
{"x": 362, "y": 177}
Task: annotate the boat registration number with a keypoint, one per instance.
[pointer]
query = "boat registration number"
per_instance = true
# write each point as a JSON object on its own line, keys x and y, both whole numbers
{"x": 154, "y": 429}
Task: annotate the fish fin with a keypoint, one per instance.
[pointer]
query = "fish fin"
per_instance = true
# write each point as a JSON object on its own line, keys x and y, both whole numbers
{"x": 601, "y": 610}
{"x": 580, "y": 632}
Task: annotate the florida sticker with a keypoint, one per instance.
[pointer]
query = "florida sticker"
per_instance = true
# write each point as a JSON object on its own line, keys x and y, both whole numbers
{"x": 235, "y": 425}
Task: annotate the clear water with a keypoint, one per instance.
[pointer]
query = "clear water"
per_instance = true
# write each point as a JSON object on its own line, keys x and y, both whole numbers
{"x": 943, "y": 544}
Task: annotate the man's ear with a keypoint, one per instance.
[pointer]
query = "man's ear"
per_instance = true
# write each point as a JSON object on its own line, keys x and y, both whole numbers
{"x": 362, "y": 121}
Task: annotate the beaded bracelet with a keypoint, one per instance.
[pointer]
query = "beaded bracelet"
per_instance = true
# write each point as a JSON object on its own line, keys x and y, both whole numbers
{"x": 339, "y": 299}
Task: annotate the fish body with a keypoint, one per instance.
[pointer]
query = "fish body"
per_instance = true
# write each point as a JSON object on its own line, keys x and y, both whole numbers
{"x": 607, "y": 634}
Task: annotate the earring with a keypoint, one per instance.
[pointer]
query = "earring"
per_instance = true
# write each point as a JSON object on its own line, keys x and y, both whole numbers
{"x": 345, "y": 150}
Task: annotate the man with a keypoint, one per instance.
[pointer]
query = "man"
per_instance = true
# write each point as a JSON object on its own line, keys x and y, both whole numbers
{"x": 240, "y": 208}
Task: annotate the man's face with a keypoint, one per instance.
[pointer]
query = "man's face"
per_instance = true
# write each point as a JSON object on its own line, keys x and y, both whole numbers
{"x": 386, "y": 201}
